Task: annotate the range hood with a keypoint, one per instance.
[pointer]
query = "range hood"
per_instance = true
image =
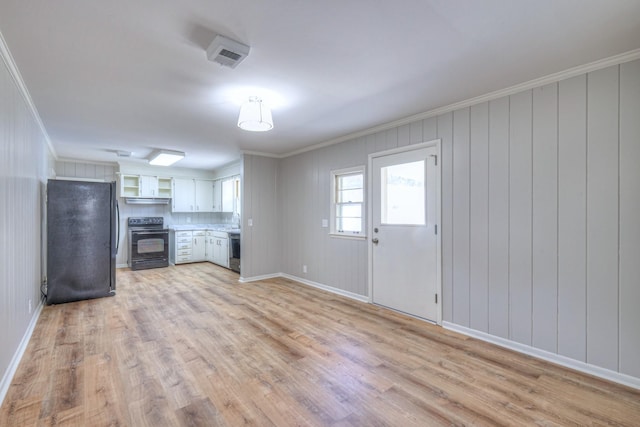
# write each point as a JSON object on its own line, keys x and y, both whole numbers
{"x": 146, "y": 201}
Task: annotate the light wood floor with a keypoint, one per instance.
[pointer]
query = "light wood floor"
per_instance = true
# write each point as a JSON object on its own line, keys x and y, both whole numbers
{"x": 189, "y": 345}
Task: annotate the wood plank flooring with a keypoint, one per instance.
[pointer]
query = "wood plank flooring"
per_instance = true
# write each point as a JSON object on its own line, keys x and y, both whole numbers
{"x": 189, "y": 346}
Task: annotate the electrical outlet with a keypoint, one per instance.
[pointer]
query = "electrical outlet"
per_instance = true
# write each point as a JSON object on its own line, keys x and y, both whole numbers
{"x": 304, "y": 269}
{"x": 30, "y": 306}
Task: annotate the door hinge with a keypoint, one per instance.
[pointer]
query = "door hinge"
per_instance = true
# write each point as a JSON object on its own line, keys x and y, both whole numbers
{"x": 435, "y": 158}
{"x": 436, "y": 229}
{"x": 436, "y": 298}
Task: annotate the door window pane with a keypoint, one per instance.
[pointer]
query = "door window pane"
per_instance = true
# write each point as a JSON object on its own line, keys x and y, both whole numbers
{"x": 403, "y": 192}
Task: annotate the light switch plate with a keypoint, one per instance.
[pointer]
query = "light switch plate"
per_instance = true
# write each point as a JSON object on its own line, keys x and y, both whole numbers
{"x": 325, "y": 223}
{"x": 250, "y": 222}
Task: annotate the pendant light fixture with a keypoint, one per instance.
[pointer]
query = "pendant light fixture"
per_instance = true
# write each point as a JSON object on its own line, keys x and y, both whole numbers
{"x": 255, "y": 116}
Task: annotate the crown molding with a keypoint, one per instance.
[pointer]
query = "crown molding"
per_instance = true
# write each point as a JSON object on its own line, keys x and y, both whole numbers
{"x": 7, "y": 58}
{"x": 511, "y": 90}
{"x": 260, "y": 153}
{"x": 87, "y": 162}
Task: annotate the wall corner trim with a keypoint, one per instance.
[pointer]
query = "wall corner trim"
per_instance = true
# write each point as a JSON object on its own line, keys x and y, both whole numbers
{"x": 6, "y": 56}
{"x": 558, "y": 359}
{"x": 17, "y": 357}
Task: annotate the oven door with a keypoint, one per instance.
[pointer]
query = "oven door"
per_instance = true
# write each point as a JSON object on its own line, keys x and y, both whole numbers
{"x": 148, "y": 249}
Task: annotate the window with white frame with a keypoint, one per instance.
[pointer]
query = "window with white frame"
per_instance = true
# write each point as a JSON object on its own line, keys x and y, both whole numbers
{"x": 347, "y": 202}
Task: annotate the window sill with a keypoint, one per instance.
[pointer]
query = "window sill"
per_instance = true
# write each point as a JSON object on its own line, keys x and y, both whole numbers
{"x": 347, "y": 236}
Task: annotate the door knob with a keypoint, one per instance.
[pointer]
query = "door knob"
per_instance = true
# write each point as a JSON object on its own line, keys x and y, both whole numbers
{"x": 375, "y": 240}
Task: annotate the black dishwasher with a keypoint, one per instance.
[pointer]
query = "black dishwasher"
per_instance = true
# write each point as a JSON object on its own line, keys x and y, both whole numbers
{"x": 234, "y": 251}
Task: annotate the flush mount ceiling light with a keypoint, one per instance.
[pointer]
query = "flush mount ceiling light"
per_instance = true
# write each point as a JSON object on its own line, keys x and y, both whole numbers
{"x": 255, "y": 116}
{"x": 165, "y": 157}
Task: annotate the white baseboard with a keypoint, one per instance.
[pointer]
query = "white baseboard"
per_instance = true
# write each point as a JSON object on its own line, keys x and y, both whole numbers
{"x": 317, "y": 285}
{"x": 256, "y": 278}
{"x": 331, "y": 289}
{"x": 17, "y": 357}
{"x": 558, "y": 359}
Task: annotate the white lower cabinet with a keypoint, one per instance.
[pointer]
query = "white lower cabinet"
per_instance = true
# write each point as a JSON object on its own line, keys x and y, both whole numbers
{"x": 180, "y": 247}
{"x": 218, "y": 248}
{"x": 198, "y": 246}
{"x": 198, "y": 249}
{"x": 221, "y": 254}
{"x": 210, "y": 246}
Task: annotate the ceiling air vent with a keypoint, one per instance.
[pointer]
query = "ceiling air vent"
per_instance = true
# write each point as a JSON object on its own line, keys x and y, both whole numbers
{"x": 227, "y": 52}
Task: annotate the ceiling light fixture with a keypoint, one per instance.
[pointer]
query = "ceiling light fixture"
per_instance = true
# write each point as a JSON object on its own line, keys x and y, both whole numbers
{"x": 255, "y": 116}
{"x": 165, "y": 157}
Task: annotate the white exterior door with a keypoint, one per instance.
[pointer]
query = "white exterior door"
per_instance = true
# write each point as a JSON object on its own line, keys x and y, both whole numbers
{"x": 403, "y": 235}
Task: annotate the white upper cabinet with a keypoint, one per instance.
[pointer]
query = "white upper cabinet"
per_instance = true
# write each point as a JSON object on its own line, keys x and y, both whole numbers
{"x": 129, "y": 186}
{"x": 217, "y": 195}
{"x": 148, "y": 186}
{"x": 192, "y": 195}
{"x": 144, "y": 186}
{"x": 228, "y": 195}
{"x": 164, "y": 187}
{"x": 204, "y": 196}
{"x": 184, "y": 195}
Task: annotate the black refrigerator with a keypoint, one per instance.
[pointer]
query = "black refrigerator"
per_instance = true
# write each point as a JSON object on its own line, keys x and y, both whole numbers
{"x": 81, "y": 240}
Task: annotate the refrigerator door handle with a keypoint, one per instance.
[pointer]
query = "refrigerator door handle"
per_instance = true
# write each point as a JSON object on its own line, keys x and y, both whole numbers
{"x": 118, "y": 215}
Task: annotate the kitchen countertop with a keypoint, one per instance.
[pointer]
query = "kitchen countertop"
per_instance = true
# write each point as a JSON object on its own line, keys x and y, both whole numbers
{"x": 229, "y": 228}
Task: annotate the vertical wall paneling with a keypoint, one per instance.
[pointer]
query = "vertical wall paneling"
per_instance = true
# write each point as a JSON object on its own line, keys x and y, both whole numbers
{"x": 262, "y": 194}
{"x": 572, "y": 221}
{"x": 69, "y": 169}
{"x": 404, "y": 136}
{"x": 429, "y": 129}
{"x": 415, "y": 133}
{"x": 445, "y": 133}
{"x": 25, "y": 162}
{"x": 526, "y": 255}
{"x": 479, "y": 218}
{"x": 630, "y": 218}
{"x": 498, "y": 304}
{"x": 461, "y": 217}
{"x": 520, "y": 177}
{"x": 545, "y": 218}
{"x": 602, "y": 218}
{"x": 381, "y": 141}
{"x": 392, "y": 138}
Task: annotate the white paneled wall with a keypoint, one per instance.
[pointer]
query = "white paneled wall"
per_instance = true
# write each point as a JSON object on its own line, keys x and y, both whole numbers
{"x": 629, "y": 223}
{"x": 540, "y": 208}
{"x": 260, "y": 245}
{"x": 24, "y": 165}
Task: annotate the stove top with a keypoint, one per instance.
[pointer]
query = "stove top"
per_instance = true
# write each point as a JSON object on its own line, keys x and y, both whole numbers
{"x": 146, "y": 223}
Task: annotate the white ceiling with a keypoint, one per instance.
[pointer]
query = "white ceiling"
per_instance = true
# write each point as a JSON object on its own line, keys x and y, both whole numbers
{"x": 133, "y": 75}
